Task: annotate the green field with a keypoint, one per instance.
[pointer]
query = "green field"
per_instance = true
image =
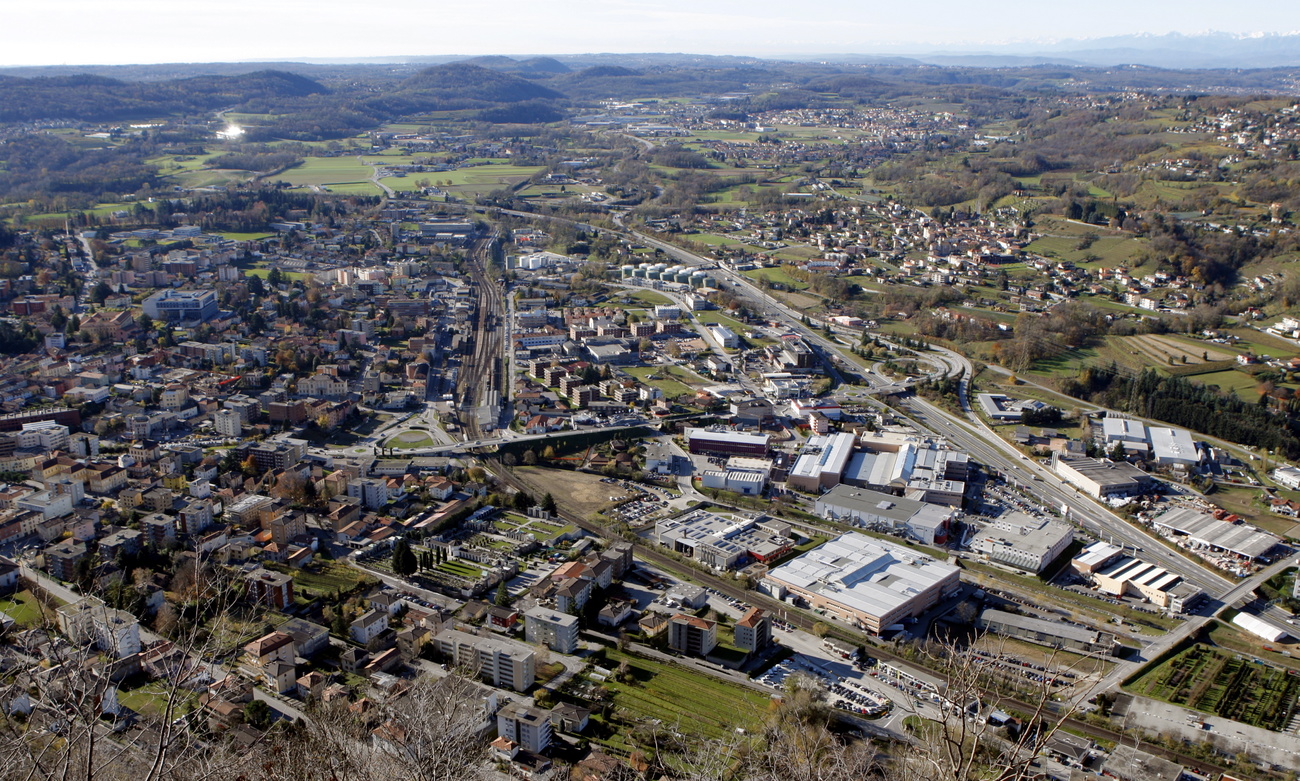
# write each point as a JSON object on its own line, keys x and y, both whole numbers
{"x": 22, "y": 608}
{"x": 776, "y": 275}
{"x": 317, "y": 171}
{"x": 1218, "y": 681}
{"x": 683, "y": 701}
{"x": 666, "y": 383}
{"x": 327, "y": 578}
{"x": 410, "y": 439}
{"x": 461, "y": 568}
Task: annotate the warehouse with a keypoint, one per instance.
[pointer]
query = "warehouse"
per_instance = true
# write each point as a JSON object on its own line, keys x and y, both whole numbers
{"x": 1054, "y": 634}
{"x": 821, "y": 463}
{"x": 926, "y": 523}
{"x": 1102, "y": 479}
{"x": 1206, "y": 531}
{"x": 867, "y": 582}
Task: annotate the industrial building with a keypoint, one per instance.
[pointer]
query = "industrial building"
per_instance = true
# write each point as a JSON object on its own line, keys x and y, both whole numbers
{"x": 867, "y": 582}
{"x": 913, "y": 468}
{"x": 926, "y": 523}
{"x": 1119, "y": 575}
{"x": 725, "y": 542}
{"x": 1023, "y": 541}
{"x": 821, "y": 462}
{"x": 1102, "y": 479}
{"x": 726, "y": 443}
{"x": 1054, "y": 634}
{"x": 1207, "y": 532}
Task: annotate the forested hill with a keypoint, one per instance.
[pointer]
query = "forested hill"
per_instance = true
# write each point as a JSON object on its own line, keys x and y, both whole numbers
{"x": 97, "y": 98}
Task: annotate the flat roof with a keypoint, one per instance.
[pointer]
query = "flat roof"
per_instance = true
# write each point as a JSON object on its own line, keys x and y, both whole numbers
{"x": 868, "y": 502}
{"x": 741, "y": 437}
{"x": 1172, "y": 444}
{"x": 1078, "y": 634}
{"x": 870, "y": 576}
{"x": 824, "y": 454}
{"x": 1096, "y": 553}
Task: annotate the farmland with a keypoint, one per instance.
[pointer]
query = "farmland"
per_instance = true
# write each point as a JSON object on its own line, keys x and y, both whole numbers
{"x": 680, "y": 700}
{"x": 1222, "y": 682}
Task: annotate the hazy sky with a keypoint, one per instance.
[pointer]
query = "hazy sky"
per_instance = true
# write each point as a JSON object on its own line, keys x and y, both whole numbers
{"x": 46, "y": 32}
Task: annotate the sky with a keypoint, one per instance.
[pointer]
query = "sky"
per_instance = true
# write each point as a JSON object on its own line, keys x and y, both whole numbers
{"x": 75, "y": 32}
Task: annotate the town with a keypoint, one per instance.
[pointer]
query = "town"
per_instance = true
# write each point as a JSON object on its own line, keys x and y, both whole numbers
{"x": 612, "y": 462}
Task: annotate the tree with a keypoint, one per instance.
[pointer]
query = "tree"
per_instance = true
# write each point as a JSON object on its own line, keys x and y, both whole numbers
{"x": 100, "y": 292}
{"x": 404, "y": 563}
{"x": 548, "y": 503}
{"x": 503, "y": 595}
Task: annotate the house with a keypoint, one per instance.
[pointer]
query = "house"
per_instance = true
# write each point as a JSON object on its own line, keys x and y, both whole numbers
{"x": 570, "y": 718}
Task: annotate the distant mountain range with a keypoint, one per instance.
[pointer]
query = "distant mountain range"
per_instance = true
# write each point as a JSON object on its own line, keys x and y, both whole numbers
{"x": 1172, "y": 50}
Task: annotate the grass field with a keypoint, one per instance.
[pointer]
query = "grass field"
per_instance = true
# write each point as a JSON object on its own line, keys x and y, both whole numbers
{"x": 410, "y": 439}
{"x": 151, "y": 699}
{"x": 1219, "y": 681}
{"x": 317, "y": 171}
{"x": 23, "y": 608}
{"x": 682, "y": 701}
{"x": 461, "y": 568}
{"x": 671, "y": 380}
{"x": 776, "y": 275}
{"x": 327, "y": 578}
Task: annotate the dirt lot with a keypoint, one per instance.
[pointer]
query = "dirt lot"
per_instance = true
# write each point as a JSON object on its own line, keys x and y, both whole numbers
{"x": 575, "y": 492}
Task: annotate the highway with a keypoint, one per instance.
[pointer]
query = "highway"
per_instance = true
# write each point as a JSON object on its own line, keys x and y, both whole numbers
{"x": 977, "y": 439}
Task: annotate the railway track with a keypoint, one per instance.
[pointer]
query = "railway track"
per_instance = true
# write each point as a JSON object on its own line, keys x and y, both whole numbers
{"x": 729, "y": 588}
{"x": 480, "y": 375}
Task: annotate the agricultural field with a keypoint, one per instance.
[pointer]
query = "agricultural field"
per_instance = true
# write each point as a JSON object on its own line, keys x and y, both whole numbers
{"x": 1160, "y": 350}
{"x": 1224, "y": 683}
{"x": 480, "y": 179}
{"x": 320, "y": 171}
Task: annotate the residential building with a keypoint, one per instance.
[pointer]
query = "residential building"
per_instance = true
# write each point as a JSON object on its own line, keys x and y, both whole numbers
{"x": 115, "y": 632}
{"x": 753, "y": 631}
{"x": 692, "y": 635}
{"x": 505, "y": 664}
{"x": 529, "y": 727}
{"x": 555, "y": 630}
{"x": 270, "y": 588}
{"x": 368, "y": 626}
